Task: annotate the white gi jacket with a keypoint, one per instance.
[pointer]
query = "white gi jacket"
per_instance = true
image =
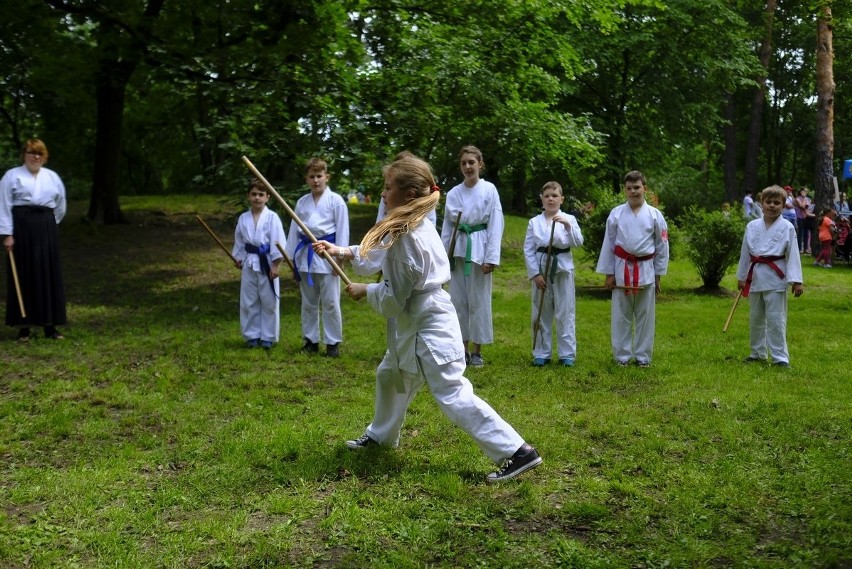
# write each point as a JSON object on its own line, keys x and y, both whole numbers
{"x": 19, "y": 187}
{"x": 411, "y": 297}
{"x": 778, "y": 240}
{"x": 269, "y": 230}
{"x": 479, "y": 204}
{"x": 642, "y": 234}
{"x": 326, "y": 216}
{"x": 538, "y": 235}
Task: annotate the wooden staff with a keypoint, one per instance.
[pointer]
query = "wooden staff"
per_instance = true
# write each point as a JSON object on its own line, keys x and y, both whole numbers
{"x": 286, "y": 258}
{"x": 17, "y": 284}
{"x": 453, "y": 237}
{"x": 325, "y": 254}
{"x": 547, "y": 262}
{"x": 213, "y": 235}
{"x": 733, "y": 308}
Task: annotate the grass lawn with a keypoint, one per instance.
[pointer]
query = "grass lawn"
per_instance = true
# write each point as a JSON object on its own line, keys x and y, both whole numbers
{"x": 151, "y": 437}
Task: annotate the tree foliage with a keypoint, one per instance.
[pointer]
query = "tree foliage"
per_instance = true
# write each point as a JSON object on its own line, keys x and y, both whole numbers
{"x": 712, "y": 240}
{"x": 579, "y": 92}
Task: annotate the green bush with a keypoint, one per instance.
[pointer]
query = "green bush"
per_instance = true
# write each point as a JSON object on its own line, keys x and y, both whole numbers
{"x": 713, "y": 241}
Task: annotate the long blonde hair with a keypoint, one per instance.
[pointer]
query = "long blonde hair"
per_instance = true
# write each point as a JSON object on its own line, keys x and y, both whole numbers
{"x": 407, "y": 173}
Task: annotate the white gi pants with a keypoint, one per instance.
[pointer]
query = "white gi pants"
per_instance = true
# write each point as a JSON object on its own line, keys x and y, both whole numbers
{"x": 455, "y": 397}
{"x": 768, "y": 325}
{"x": 471, "y": 296}
{"x": 632, "y": 324}
{"x": 321, "y": 302}
{"x": 559, "y": 302}
{"x": 259, "y": 307}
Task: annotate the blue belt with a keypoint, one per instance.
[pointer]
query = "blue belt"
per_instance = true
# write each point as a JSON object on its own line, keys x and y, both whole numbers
{"x": 305, "y": 242}
{"x": 262, "y": 252}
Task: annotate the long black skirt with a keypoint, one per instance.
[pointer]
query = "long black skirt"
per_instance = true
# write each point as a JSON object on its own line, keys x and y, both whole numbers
{"x": 39, "y": 269}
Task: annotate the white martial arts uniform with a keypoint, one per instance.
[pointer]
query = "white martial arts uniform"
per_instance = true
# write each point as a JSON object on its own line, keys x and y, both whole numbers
{"x": 768, "y": 290}
{"x": 425, "y": 345}
{"x": 559, "y": 294}
{"x": 259, "y": 306}
{"x": 319, "y": 285}
{"x": 471, "y": 293}
{"x": 639, "y": 235}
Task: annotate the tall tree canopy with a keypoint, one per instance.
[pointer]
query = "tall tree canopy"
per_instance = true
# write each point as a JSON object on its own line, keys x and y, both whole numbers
{"x": 138, "y": 96}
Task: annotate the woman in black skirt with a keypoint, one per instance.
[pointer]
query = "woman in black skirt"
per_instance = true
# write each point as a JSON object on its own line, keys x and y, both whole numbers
{"x": 32, "y": 203}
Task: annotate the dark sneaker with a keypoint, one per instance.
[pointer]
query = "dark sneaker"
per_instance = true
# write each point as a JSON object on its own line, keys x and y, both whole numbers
{"x": 332, "y": 351}
{"x": 781, "y": 364}
{"x": 621, "y": 364}
{"x": 643, "y": 364}
{"x": 467, "y": 358}
{"x": 567, "y": 362}
{"x": 363, "y": 441}
{"x": 476, "y": 360}
{"x": 752, "y": 359}
{"x": 540, "y": 362}
{"x": 310, "y": 347}
{"x": 524, "y": 459}
{"x": 266, "y": 345}
{"x": 253, "y": 343}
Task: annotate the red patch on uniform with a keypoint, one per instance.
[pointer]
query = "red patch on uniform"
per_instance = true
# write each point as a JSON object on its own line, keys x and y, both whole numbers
{"x": 665, "y": 235}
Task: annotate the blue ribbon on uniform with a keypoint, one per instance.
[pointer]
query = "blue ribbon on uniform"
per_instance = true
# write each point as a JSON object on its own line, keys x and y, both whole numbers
{"x": 305, "y": 242}
{"x": 262, "y": 253}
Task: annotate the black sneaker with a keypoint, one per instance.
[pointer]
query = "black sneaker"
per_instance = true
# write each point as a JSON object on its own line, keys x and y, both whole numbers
{"x": 363, "y": 441}
{"x": 332, "y": 351}
{"x": 310, "y": 347}
{"x": 524, "y": 459}
{"x": 751, "y": 360}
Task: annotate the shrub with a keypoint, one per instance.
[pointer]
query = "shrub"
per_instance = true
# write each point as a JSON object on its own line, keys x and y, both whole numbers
{"x": 713, "y": 242}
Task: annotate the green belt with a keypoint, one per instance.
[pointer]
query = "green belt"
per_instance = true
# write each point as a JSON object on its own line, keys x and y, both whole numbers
{"x": 465, "y": 228}
{"x": 554, "y": 251}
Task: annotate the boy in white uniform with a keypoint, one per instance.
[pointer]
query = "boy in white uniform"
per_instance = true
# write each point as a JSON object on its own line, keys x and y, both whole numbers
{"x": 324, "y": 213}
{"x": 424, "y": 339}
{"x": 255, "y": 236}
{"x": 635, "y": 252}
{"x": 769, "y": 261}
{"x": 557, "y": 285}
{"x": 476, "y": 251}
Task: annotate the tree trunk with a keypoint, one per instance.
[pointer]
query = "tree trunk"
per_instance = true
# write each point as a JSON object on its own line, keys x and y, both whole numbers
{"x": 112, "y": 83}
{"x": 758, "y": 98}
{"x": 729, "y": 159}
{"x": 824, "y": 171}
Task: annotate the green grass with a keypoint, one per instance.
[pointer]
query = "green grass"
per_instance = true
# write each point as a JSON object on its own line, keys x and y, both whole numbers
{"x": 152, "y": 438}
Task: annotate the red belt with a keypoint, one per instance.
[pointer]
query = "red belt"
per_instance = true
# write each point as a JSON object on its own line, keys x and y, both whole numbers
{"x": 769, "y": 260}
{"x": 621, "y": 253}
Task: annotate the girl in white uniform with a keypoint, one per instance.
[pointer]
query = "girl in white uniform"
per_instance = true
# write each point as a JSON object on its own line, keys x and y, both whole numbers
{"x": 476, "y": 251}
{"x": 556, "y": 284}
{"x": 634, "y": 255}
{"x": 424, "y": 339}
{"x": 257, "y": 232}
{"x": 769, "y": 261}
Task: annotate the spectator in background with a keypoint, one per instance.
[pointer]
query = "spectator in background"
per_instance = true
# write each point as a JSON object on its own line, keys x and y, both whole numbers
{"x": 841, "y": 206}
{"x": 750, "y": 209}
{"x": 789, "y": 211}
{"x": 804, "y": 209}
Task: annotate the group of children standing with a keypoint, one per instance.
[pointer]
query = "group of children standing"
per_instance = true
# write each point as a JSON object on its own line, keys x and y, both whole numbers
{"x": 433, "y": 334}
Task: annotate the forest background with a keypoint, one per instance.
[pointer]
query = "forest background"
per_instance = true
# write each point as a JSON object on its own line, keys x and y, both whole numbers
{"x": 709, "y": 98}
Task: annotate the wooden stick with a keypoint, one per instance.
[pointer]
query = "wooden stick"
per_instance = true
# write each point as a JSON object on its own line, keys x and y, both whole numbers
{"x": 325, "y": 254}
{"x": 17, "y": 284}
{"x": 733, "y": 308}
{"x": 547, "y": 262}
{"x": 286, "y": 258}
{"x": 450, "y": 252}
{"x": 219, "y": 241}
